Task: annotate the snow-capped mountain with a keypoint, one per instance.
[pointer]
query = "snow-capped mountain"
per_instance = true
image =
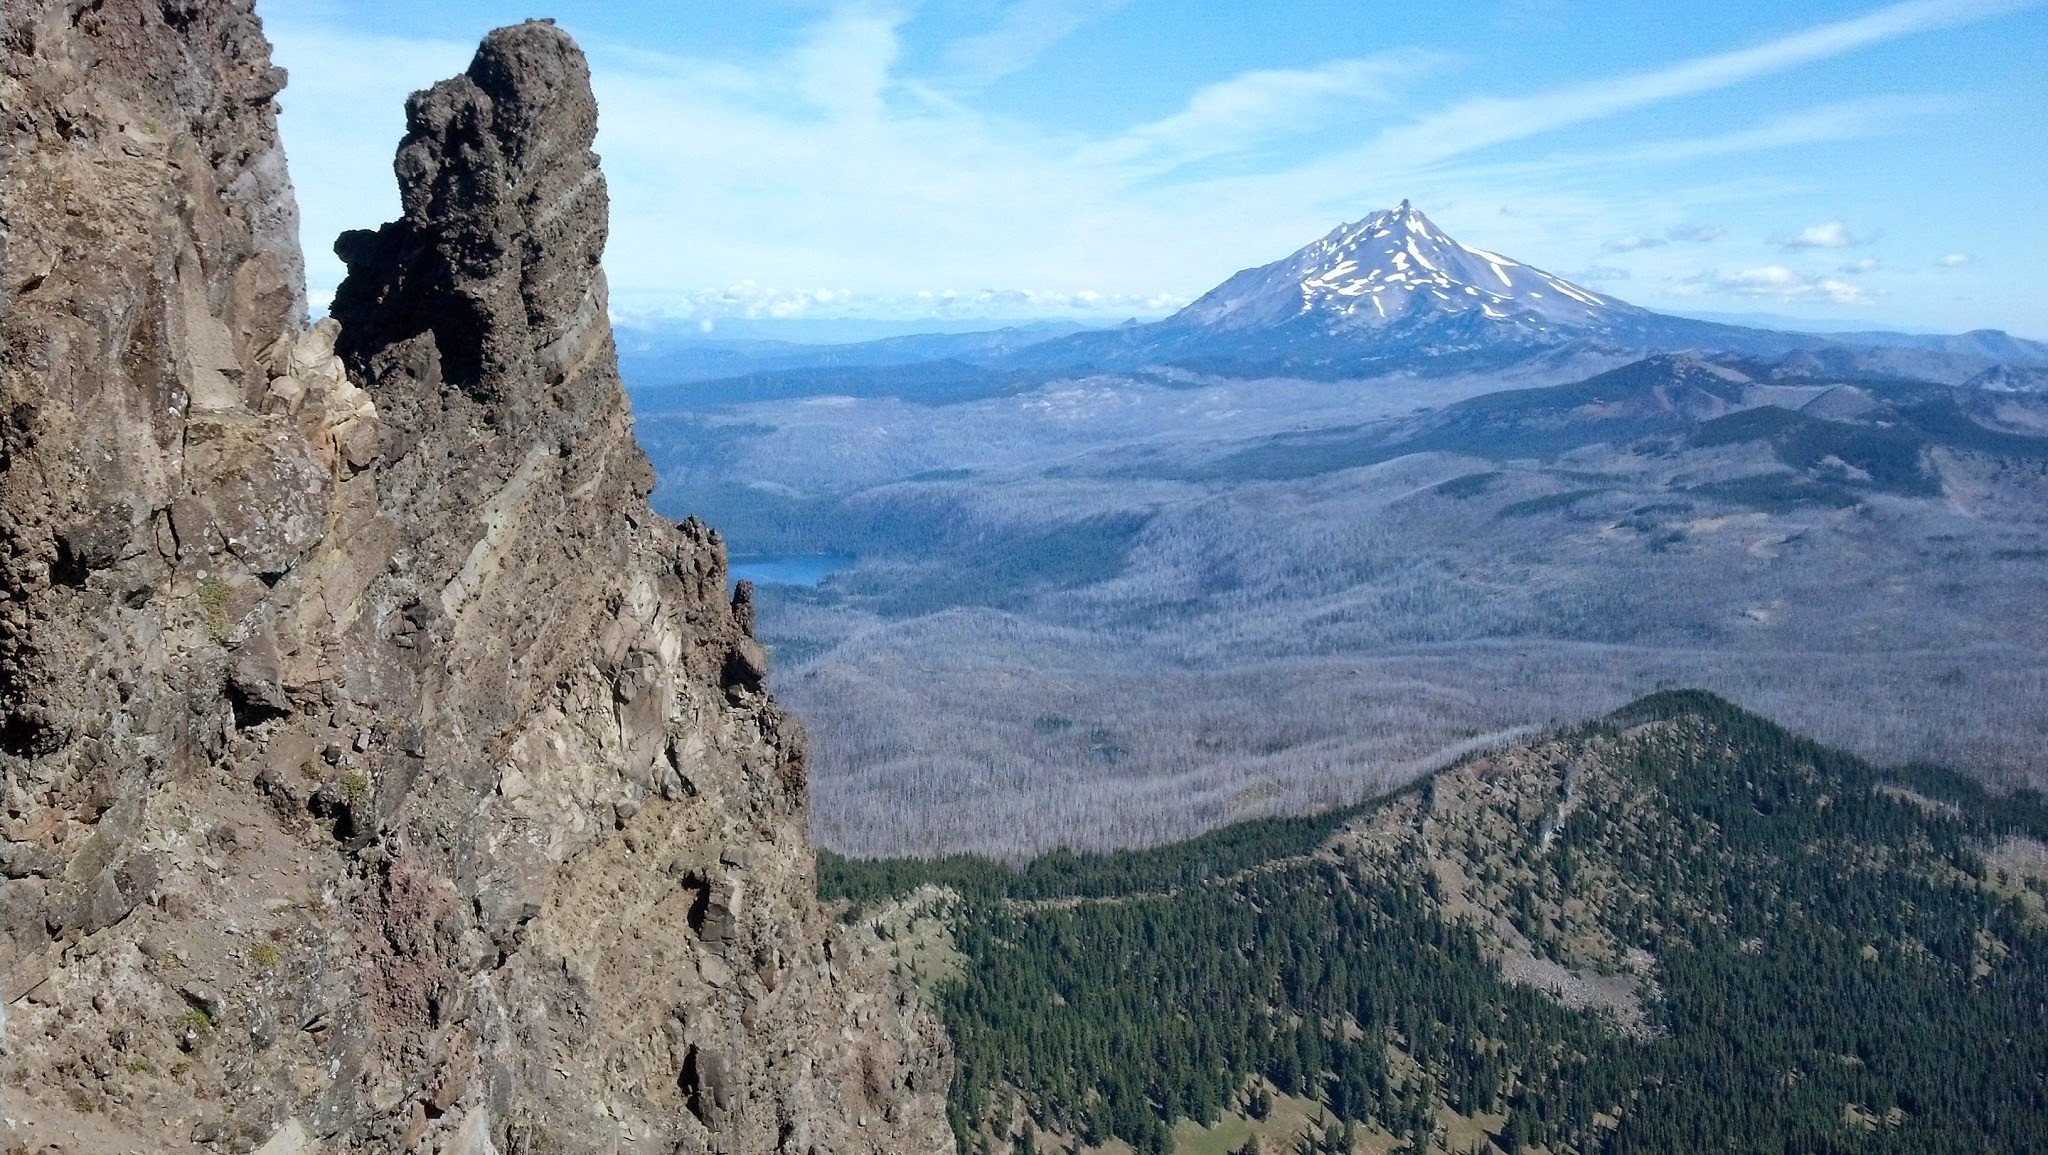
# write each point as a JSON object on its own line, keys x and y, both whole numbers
{"x": 1395, "y": 269}
{"x": 1394, "y": 294}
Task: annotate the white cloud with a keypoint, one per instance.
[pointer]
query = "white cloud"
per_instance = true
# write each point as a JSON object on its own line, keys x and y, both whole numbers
{"x": 1632, "y": 243}
{"x": 1862, "y": 267}
{"x": 1025, "y": 31}
{"x": 843, "y": 64}
{"x": 1825, "y": 235}
{"x": 1486, "y": 121}
{"x": 1254, "y": 107}
{"x": 1784, "y": 284}
{"x": 1954, "y": 260}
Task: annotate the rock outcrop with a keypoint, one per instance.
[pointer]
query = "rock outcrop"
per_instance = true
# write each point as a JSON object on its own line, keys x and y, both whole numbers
{"x": 381, "y": 774}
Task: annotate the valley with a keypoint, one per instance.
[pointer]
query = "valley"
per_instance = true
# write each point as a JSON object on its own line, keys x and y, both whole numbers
{"x": 1118, "y": 609}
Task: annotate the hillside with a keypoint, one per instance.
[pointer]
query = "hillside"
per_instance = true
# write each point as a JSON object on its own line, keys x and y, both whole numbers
{"x": 1679, "y": 926}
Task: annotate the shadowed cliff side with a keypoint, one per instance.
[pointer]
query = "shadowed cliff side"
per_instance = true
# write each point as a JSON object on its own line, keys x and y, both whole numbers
{"x": 381, "y": 774}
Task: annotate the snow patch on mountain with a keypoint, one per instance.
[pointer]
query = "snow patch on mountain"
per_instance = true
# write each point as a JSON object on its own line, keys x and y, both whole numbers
{"x": 1397, "y": 268}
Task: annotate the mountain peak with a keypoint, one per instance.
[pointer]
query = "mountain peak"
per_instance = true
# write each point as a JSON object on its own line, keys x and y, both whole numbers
{"x": 1396, "y": 268}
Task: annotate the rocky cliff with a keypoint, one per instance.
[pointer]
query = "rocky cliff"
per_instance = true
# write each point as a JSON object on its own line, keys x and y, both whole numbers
{"x": 381, "y": 775}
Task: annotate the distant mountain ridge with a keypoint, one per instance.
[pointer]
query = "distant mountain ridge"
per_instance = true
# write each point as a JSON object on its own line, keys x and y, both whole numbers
{"x": 1391, "y": 293}
{"x": 651, "y": 355}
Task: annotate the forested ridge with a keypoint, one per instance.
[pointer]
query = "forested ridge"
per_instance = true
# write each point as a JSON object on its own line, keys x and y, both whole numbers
{"x": 1814, "y": 955}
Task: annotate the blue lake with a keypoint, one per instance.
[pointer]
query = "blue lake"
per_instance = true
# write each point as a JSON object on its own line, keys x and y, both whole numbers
{"x": 807, "y": 569}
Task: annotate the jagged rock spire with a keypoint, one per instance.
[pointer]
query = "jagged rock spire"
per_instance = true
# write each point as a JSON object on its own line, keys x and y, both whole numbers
{"x": 497, "y": 253}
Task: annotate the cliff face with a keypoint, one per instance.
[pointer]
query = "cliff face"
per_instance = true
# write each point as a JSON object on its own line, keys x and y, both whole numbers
{"x": 381, "y": 774}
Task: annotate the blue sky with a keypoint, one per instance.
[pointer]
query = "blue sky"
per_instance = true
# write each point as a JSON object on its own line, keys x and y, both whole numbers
{"x": 1838, "y": 162}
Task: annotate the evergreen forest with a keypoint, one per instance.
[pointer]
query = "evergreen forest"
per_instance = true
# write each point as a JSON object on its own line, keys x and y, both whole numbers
{"x": 1835, "y": 960}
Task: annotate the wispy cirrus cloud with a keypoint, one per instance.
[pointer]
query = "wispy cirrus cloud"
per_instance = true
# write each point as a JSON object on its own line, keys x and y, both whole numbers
{"x": 1481, "y": 122}
{"x": 1253, "y": 108}
{"x": 1837, "y": 121}
{"x": 1024, "y": 32}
